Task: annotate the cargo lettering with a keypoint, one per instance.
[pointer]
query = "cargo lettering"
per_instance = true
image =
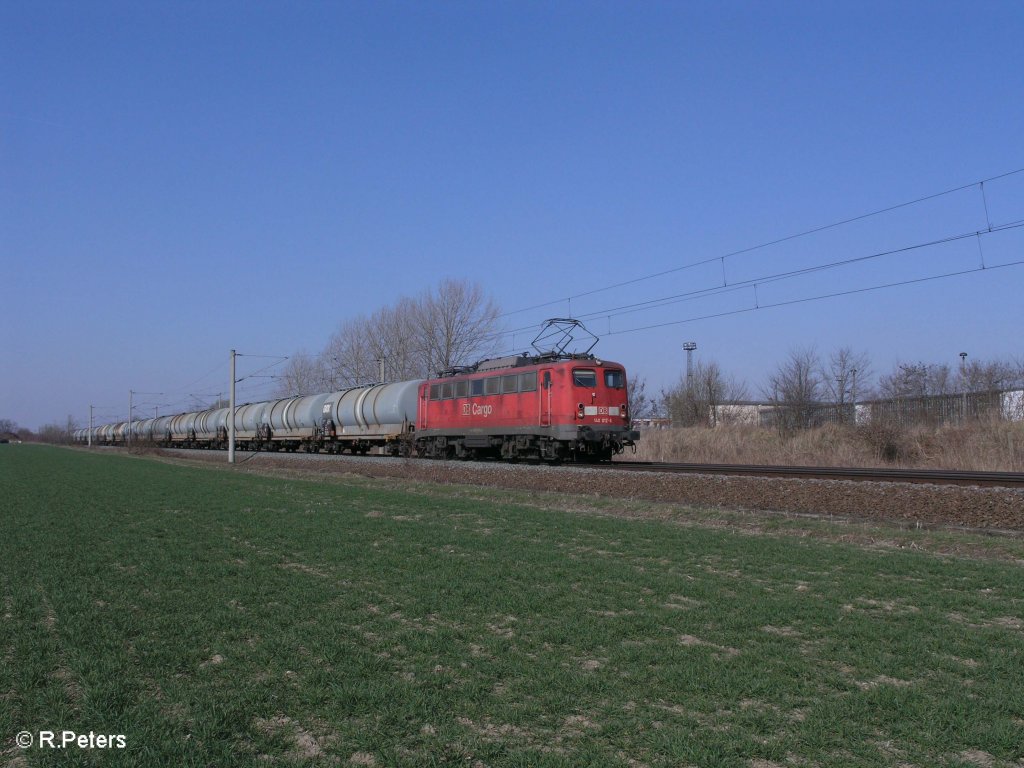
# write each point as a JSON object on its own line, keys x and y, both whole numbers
{"x": 475, "y": 409}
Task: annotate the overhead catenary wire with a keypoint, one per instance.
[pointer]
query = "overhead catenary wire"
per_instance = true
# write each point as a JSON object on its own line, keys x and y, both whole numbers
{"x": 780, "y": 276}
{"x": 726, "y": 287}
{"x": 835, "y": 294}
{"x": 206, "y": 375}
{"x": 776, "y": 241}
{"x": 759, "y": 306}
{"x": 259, "y": 370}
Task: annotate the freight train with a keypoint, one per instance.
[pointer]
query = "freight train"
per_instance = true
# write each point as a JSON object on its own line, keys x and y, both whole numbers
{"x": 551, "y": 407}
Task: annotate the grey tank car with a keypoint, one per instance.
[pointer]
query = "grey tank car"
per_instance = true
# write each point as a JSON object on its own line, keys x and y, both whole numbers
{"x": 380, "y": 416}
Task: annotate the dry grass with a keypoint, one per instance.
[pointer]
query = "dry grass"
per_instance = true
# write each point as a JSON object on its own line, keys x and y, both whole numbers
{"x": 979, "y": 445}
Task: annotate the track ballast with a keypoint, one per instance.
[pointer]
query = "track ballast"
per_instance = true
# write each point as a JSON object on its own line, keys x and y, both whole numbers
{"x": 868, "y": 474}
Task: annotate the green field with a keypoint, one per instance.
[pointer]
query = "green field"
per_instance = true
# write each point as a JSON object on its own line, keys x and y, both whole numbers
{"x": 216, "y": 617}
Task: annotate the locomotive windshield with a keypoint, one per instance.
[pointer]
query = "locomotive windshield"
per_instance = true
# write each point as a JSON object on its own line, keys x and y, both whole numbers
{"x": 614, "y": 379}
{"x": 584, "y": 377}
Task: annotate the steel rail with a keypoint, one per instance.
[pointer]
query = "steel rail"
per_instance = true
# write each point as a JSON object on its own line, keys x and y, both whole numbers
{"x": 866, "y": 474}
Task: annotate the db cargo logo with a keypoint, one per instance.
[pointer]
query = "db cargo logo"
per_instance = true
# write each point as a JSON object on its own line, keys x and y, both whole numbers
{"x": 474, "y": 409}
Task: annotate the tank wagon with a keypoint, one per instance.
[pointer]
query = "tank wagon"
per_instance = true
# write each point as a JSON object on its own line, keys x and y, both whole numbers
{"x": 358, "y": 419}
{"x": 551, "y": 407}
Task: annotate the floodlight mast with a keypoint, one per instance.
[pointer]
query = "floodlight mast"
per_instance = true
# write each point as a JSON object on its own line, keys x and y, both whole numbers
{"x": 688, "y": 347}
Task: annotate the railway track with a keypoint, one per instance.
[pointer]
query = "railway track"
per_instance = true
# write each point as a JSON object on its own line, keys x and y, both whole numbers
{"x": 933, "y": 476}
{"x": 877, "y": 475}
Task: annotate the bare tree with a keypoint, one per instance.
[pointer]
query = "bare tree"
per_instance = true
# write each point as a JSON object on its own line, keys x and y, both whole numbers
{"x": 731, "y": 390}
{"x": 456, "y": 324}
{"x": 847, "y": 375}
{"x": 917, "y": 380}
{"x": 696, "y": 402}
{"x": 359, "y": 349}
{"x": 795, "y": 388}
{"x": 401, "y": 345}
{"x": 58, "y": 433}
{"x": 7, "y": 426}
{"x": 350, "y": 357}
{"x": 51, "y": 433}
{"x": 303, "y": 374}
{"x": 639, "y": 405}
{"x": 988, "y": 376}
{"x": 452, "y": 325}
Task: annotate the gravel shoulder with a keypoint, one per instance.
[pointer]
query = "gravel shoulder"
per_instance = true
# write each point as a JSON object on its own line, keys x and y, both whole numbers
{"x": 919, "y": 505}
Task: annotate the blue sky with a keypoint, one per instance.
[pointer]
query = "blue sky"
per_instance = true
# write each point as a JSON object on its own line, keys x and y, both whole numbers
{"x": 177, "y": 179}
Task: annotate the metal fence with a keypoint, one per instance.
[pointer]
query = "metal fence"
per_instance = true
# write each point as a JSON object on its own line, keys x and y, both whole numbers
{"x": 806, "y": 417}
{"x": 934, "y": 410}
{"x": 938, "y": 409}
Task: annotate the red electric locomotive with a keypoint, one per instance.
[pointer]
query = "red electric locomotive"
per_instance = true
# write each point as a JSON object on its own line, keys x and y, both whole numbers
{"x": 552, "y": 407}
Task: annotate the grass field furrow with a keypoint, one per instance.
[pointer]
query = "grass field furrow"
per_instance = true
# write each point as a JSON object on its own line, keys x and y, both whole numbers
{"x": 223, "y": 618}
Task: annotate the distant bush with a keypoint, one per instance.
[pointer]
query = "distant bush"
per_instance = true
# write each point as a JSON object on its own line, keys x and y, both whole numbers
{"x": 888, "y": 442}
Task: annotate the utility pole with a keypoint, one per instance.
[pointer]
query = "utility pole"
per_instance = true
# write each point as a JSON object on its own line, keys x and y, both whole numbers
{"x": 380, "y": 369}
{"x": 963, "y": 386}
{"x": 853, "y": 394}
{"x": 90, "y": 427}
{"x": 841, "y": 390}
{"x": 231, "y": 413}
{"x": 131, "y": 395}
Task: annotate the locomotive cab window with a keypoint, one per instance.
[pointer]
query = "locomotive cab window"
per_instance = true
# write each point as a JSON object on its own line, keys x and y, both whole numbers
{"x": 435, "y": 391}
{"x": 584, "y": 377}
{"x": 614, "y": 379}
{"x": 446, "y": 391}
{"x": 528, "y": 382}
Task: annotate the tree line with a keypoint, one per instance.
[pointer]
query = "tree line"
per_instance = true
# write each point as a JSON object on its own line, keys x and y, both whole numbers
{"x": 48, "y": 433}
{"x": 805, "y": 380}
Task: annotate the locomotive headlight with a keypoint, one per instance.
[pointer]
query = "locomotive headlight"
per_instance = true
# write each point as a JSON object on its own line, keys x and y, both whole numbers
{"x": 579, "y": 411}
